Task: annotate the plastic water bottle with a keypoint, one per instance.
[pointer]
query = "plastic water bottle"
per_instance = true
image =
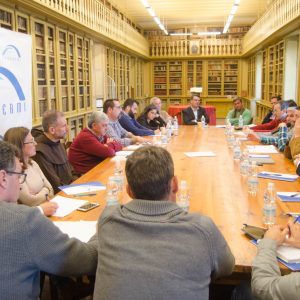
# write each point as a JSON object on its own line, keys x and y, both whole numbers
{"x": 112, "y": 192}
{"x": 228, "y": 126}
{"x": 237, "y": 150}
{"x": 241, "y": 121}
{"x": 203, "y": 124}
{"x": 169, "y": 130}
{"x": 119, "y": 176}
{"x": 245, "y": 164}
{"x": 230, "y": 138}
{"x": 175, "y": 125}
{"x": 269, "y": 209}
{"x": 252, "y": 179}
{"x": 183, "y": 197}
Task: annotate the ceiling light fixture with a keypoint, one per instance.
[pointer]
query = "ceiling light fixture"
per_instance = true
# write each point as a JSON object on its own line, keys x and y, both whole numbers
{"x": 209, "y": 33}
{"x": 181, "y": 34}
{"x": 231, "y": 15}
{"x": 153, "y": 15}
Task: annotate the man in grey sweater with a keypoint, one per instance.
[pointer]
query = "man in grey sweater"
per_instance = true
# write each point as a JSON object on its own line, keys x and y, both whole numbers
{"x": 150, "y": 248}
{"x": 29, "y": 242}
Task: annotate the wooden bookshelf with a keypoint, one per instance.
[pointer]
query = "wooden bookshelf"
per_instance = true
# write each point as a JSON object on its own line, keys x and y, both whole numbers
{"x": 194, "y": 74}
{"x": 214, "y": 77}
{"x": 230, "y": 77}
{"x": 251, "y": 76}
{"x": 175, "y": 78}
{"x": 160, "y": 78}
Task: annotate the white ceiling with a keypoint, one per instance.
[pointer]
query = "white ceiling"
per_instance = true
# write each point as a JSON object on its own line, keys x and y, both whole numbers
{"x": 192, "y": 13}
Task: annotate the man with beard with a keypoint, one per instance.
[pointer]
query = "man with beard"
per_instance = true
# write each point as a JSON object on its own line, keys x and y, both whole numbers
{"x": 128, "y": 122}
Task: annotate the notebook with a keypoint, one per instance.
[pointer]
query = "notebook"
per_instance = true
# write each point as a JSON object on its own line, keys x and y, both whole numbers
{"x": 288, "y": 254}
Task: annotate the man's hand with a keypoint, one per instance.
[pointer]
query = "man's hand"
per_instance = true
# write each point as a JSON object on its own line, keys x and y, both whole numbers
{"x": 49, "y": 208}
{"x": 277, "y": 233}
{"x": 109, "y": 140}
{"x": 253, "y": 137}
{"x": 297, "y": 160}
{"x": 282, "y": 124}
{"x": 294, "y": 234}
{"x": 157, "y": 131}
{"x": 138, "y": 139}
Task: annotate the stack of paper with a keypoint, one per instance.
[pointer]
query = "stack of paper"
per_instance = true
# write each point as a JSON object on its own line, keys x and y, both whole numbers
{"x": 200, "y": 154}
{"x": 289, "y": 196}
{"x": 262, "y": 149}
{"x": 277, "y": 176}
{"x": 82, "y": 230}
{"x": 288, "y": 254}
{"x": 82, "y": 188}
{"x": 261, "y": 158}
{"x": 66, "y": 205}
{"x": 123, "y": 153}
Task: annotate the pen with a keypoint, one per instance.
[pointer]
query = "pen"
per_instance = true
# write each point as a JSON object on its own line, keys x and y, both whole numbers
{"x": 297, "y": 219}
{"x": 293, "y": 214}
{"x": 294, "y": 195}
{"x": 84, "y": 195}
{"x": 271, "y": 174}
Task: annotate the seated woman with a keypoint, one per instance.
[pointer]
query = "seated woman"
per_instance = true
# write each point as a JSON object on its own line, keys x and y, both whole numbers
{"x": 150, "y": 118}
{"x": 36, "y": 190}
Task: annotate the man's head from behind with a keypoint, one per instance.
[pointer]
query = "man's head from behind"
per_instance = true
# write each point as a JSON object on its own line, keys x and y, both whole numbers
{"x": 55, "y": 124}
{"x": 130, "y": 107}
{"x": 112, "y": 108}
{"x": 10, "y": 172}
{"x": 150, "y": 174}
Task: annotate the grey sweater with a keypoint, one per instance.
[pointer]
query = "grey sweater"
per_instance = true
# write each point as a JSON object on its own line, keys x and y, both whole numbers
{"x": 154, "y": 250}
{"x": 29, "y": 242}
{"x": 267, "y": 282}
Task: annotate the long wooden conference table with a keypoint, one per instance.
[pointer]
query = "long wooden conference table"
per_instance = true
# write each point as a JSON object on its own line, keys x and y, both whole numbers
{"x": 216, "y": 187}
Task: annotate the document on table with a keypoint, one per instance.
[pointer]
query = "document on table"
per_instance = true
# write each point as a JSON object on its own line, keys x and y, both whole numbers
{"x": 262, "y": 149}
{"x": 66, "y": 205}
{"x": 123, "y": 153}
{"x": 289, "y": 196}
{"x": 133, "y": 147}
{"x": 200, "y": 154}
{"x": 277, "y": 176}
{"x": 82, "y": 230}
{"x": 261, "y": 158}
{"x": 82, "y": 188}
{"x": 220, "y": 126}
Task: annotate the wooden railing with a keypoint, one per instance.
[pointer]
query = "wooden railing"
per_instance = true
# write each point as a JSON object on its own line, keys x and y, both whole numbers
{"x": 96, "y": 16}
{"x": 279, "y": 14}
{"x": 201, "y": 47}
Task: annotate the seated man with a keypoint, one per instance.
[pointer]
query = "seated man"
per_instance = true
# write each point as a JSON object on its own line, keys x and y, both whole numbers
{"x": 192, "y": 115}
{"x": 51, "y": 155}
{"x": 162, "y": 113}
{"x": 280, "y": 116}
{"x": 150, "y": 248}
{"x": 30, "y": 243}
{"x": 91, "y": 146}
{"x": 267, "y": 282}
{"x": 292, "y": 150}
{"x": 280, "y": 137}
{"x": 239, "y": 110}
{"x": 128, "y": 122}
{"x": 270, "y": 116}
{"x": 115, "y": 131}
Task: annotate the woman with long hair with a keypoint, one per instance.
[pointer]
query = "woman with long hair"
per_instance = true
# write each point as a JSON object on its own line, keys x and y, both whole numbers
{"x": 150, "y": 118}
{"x": 36, "y": 189}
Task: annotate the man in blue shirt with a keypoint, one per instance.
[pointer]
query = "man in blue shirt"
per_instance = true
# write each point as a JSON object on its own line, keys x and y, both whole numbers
{"x": 128, "y": 122}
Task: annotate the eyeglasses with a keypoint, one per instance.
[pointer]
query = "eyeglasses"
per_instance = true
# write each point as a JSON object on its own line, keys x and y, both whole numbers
{"x": 30, "y": 142}
{"x": 22, "y": 176}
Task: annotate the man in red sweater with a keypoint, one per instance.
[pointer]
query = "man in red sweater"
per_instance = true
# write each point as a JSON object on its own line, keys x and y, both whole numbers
{"x": 92, "y": 146}
{"x": 280, "y": 116}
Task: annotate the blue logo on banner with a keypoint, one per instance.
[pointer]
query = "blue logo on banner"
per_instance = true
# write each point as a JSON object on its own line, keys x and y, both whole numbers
{"x": 11, "y": 52}
{"x": 14, "y": 81}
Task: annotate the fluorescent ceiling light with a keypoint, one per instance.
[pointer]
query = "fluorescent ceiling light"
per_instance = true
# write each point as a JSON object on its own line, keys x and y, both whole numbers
{"x": 145, "y": 3}
{"x": 209, "y": 33}
{"x": 166, "y": 32}
{"x": 151, "y": 11}
{"x": 157, "y": 20}
{"x": 162, "y": 27}
{"x": 229, "y": 18}
{"x": 234, "y": 9}
{"x": 183, "y": 34}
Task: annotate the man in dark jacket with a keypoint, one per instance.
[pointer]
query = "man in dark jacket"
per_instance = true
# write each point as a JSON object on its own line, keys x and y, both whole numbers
{"x": 192, "y": 115}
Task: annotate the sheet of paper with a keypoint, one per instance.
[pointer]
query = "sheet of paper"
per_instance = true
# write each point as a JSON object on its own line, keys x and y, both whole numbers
{"x": 240, "y": 134}
{"x": 123, "y": 153}
{"x": 259, "y": 155}
{"x": 262, "y": 149}
{"x": 82, "y": 230}
{"x": 291, "y": 176}
{"x": 118, "y": 158}
{"x": 200, "y": 154}
{"x": 220, "y": 126}
{"x": 289, "y": 196}
{"x": 87, "y": 187}
{"x": 66, "y": 205}
{"x": 133, "y": 147}
{"x": 289, "y": 254}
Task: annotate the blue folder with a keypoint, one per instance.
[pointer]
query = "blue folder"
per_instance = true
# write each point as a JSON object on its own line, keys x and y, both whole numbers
{"x": 276, "y": 176}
